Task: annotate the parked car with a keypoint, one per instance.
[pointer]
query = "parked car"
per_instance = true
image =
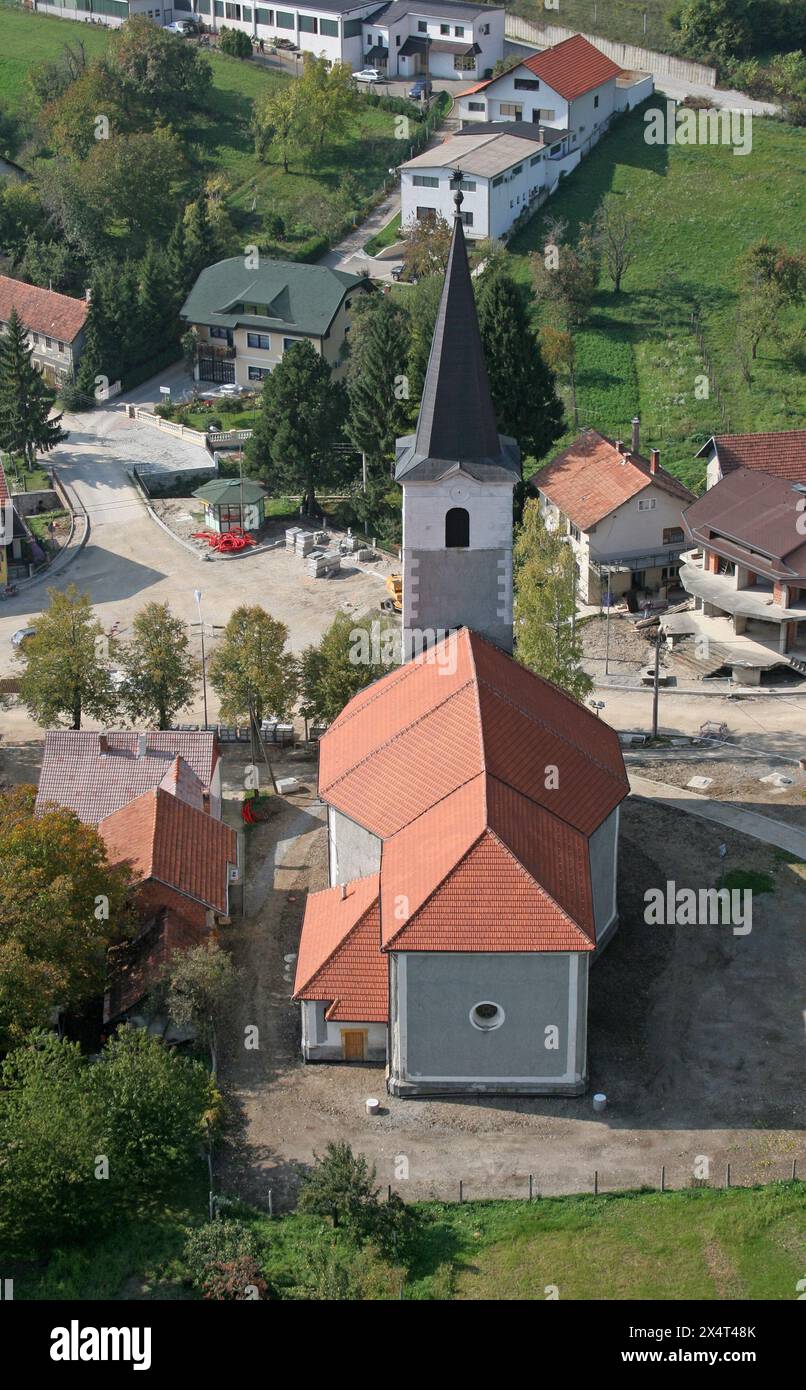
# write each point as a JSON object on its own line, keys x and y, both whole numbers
{"x": 186, "y": 27}
{"x": 21, "y": 635}
{"x": 285, "y": 43}
{"x": 421, "y": 88}
{"x": 368, "y": 75}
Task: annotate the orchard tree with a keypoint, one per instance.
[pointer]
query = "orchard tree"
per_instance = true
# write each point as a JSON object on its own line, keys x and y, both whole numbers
{"x": 545, "y": 605}
{"x": 327, "y": 98}
{"x": 522, "y": 384}
{"x": 202, "y": 990}
{"x": 252, "y": 670}
{"x": 559, "y": 350}
{"x": 616, "y": 231}
{"x": 279, "y": 126}
{"x": 565, "y": 275}
{"x": 26, "y": 400}
{"x": 302, "y": 413}
{"x": 427, "y": 245}
{"x": 61, "y": 905}
{"x": 161, "y": 674}
{"x": 67, "y": 672}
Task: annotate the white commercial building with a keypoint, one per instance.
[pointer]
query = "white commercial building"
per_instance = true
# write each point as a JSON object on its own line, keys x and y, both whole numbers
{"x": 505, "y": 170}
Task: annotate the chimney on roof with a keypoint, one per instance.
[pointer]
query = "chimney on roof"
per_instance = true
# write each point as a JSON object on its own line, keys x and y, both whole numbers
{"x": 103, "y": 745}
{"x": 620, "y": 445}
{"x": 88, "y": 295}
{"x": 654, "y": 461}
{"x": 343, "y": 891}
{"x": 141, "y": 745}
{"x": 636, "y": 434}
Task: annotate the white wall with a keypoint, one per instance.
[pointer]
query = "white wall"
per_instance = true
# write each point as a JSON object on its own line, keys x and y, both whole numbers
{"x": 630, "y": 531}
{"x": 581, "y": 116}
{"x": 425, "y": 505}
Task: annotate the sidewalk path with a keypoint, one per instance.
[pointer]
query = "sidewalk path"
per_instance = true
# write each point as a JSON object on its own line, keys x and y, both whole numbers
{"x": 772, "y": 832}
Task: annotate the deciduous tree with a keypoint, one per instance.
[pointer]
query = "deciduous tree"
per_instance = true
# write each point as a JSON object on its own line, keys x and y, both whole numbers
{"x": 161, "y": 675}
{"x": 252, "y": 669}
{"x": 67, "y": 670}
{"x": 202, "y": 988}
{"x": 545, "y": 605}
{"x": 351, "y": 654}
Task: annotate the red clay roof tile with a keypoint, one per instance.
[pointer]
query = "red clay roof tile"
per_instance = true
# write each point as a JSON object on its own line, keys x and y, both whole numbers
{"x": 170, "y": 841}
{"x": 783, "y": 454}
{"x": 340, "y": 959}
{"x": 591, "y": 478}
{"x": 58, "y": 316}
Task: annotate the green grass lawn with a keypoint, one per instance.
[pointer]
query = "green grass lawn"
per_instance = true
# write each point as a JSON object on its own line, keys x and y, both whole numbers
{"x": 699, "y": 208}
{"x": 27, "y": 38}
{"x": 622, "y": 20}
{"x": 385, "y": 237}
{"x": 745, "y": 1243}
{"x": 200, "y": 419}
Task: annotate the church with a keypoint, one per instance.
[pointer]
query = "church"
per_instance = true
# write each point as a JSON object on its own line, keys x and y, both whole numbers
{"x": 473, "y": 807}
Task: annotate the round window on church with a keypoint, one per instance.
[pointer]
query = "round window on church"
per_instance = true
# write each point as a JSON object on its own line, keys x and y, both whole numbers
{"x": 486, "y": 1016}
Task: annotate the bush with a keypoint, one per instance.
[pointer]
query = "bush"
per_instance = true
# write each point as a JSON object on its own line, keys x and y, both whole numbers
{"x": 235, "y": 42}
{"x": 221, "y": 1259}
{"x": 72, "y": 399}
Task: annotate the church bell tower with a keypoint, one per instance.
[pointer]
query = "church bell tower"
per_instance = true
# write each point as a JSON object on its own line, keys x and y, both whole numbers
{"x": 457, "y": 474}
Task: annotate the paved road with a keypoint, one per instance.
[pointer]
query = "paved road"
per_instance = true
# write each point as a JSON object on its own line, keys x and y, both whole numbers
{"x": 772, "y": 832}
{"x": 129, "y": 560}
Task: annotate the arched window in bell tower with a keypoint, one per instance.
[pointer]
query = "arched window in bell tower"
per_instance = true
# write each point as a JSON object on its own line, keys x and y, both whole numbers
{"x": 457, "y": 528}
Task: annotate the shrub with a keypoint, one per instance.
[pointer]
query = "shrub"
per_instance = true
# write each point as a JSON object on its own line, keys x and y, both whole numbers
{"x": 238, "y": 1280}
{"x": 218, "y": 1252}
{"x": 235, "y": 42}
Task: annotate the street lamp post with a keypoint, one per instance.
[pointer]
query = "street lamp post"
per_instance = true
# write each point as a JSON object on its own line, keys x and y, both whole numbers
{"x": 197, "y": 594}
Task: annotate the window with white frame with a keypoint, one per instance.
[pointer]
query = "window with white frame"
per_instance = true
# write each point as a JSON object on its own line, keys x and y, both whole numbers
{"x": 646, "y": 504}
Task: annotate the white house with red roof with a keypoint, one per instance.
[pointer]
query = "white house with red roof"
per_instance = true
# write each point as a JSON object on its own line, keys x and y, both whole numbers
{"x": 781, "y": 453}
{"x": 622, "y": 515}
{"x": 571, "y": 86}
{"x": 55, "y": 324}
{"x": 473, "y": 807}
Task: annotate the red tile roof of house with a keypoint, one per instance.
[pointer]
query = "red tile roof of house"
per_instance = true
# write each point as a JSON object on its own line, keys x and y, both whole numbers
{"x": 42, "y": 311}
{"x": 591, "y": 478}
{"x": 95, "y": 779}
{"x": 135, "y": 967}
{"x": 167, "y": 840}
{"x": 571, "y": 68}
{"x": 783, "y": 453}
{"x": 340, "y": 959}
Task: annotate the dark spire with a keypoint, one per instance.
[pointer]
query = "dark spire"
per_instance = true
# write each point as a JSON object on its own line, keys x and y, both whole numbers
{"x": 456, "y": 419}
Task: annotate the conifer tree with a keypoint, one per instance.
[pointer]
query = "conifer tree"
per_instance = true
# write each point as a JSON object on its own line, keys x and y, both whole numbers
{"x": 377, "y": 384}
{"x": 200, "y": 239}
{"x": 26, "y": 399}
{"x": 522, "y": 384}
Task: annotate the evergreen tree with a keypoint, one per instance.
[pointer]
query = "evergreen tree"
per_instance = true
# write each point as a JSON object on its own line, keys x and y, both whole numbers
{"x": 154, "y": 302}
{"x": 25, "y": 399}
{"x": 302, "y": 412}
{"x": 102, "y": 354}
{"x": 522, "y": 384}
{"x": 200, "y": 239}
{"x": 377, "y": 384}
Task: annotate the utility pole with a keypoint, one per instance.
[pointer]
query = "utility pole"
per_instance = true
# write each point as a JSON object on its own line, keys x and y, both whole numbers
{"x": 240, "y": 475}
{"x": 655, "y": 685}
{"x": 607, "y": 627}
{"x": 197, "y": 593}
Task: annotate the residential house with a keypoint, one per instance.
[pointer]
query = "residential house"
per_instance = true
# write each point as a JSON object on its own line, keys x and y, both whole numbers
{"x": 54, "y": 322}
{"x": 155, "y": 798}
{"x": 96, "y": 774}
{"x": 472, "y": 806}
{"x": 183, "y": 862}
{"x": 783, "y": 454}
{"x": 746, "y": 571}
{"x": 507, "y": 170}
{"x": 245, "y": 320}
{"x": 621, "y": 512}
{"x": 571, "y": 86}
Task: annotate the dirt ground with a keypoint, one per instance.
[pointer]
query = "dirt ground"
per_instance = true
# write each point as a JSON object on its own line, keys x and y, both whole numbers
{"x": 744, "y": 782}
{"x": 696, "y": 1036}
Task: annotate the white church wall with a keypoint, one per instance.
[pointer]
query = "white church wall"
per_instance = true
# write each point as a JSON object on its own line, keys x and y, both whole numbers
{"x": 353, "y": 851}
{"x": 603, "y": 850}
{"x": 425, "y": 505}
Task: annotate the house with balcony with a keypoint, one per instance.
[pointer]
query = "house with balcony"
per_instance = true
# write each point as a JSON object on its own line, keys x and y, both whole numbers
{"x": 246, "y": 320}
{"x": 571, "y": 86}
{"x": 781, "y": 453}
{"x": 621, "y": 513}
{"x": 745, "y": 569}
{"x": 55, "y": 324}
{"x": 508, "y": 170}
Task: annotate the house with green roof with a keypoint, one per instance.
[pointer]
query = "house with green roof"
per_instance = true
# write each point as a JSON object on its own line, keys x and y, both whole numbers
{"x": 231, "y": 502}
{"x": 245, "y": 320}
